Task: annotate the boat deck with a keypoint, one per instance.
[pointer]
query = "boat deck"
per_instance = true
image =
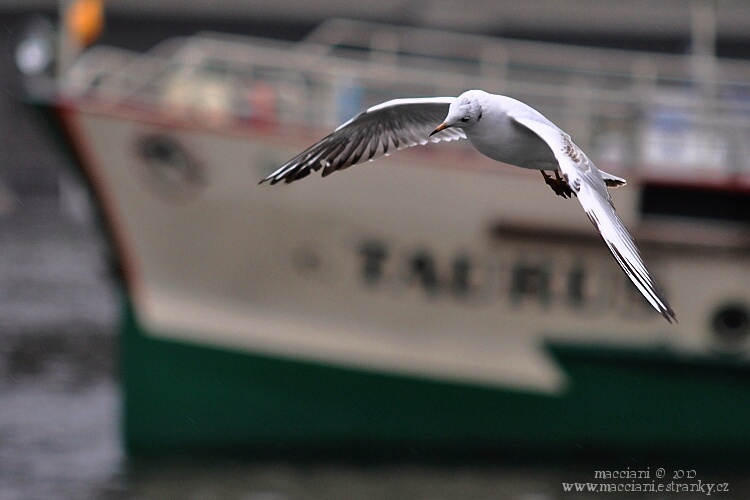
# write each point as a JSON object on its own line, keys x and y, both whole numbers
{"x": 662, "y": 117}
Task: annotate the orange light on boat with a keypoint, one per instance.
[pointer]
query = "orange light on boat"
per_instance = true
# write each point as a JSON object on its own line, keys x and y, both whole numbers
{"x": 84, "y": 20}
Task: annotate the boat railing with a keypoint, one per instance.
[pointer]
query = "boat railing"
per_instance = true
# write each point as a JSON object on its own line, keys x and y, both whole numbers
{"x": 663, "y": 113}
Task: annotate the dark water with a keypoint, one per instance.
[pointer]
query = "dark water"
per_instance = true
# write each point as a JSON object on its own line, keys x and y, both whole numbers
{"x": 59, "y": 401}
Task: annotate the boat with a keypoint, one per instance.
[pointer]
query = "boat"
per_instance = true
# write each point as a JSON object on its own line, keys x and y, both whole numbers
{"x": 433, "y": 301}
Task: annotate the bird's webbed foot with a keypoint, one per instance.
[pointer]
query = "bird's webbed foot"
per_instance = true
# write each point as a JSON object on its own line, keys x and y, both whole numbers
{"x": 558, "y": 184}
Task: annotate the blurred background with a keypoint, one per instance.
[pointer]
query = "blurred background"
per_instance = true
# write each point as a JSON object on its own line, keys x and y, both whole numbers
{"x": 73, "y": 296}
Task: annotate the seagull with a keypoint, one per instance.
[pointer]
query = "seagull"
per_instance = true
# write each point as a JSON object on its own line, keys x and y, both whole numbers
{"x": 501, "y": 128}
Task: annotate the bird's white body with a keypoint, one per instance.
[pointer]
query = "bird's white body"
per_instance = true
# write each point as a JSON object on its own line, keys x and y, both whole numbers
{"x": 503, "y": 140}
{"x": 499, "y": 127}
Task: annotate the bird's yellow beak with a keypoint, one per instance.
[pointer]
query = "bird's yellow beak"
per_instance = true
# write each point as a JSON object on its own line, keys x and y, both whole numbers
{"x": 440, "y": 127}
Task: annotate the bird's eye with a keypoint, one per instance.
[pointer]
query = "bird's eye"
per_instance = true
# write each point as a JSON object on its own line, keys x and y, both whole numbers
{"x": 465, "y": 119}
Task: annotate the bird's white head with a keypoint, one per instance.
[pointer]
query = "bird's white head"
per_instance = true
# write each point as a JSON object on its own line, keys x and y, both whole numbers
{"x": 465, "y": 112}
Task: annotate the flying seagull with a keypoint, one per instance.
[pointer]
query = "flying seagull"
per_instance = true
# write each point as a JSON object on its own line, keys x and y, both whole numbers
{"x": 501, "y": 128}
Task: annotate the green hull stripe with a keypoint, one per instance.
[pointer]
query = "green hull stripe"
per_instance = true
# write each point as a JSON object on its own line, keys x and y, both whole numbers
{"x": 181, "y": 396}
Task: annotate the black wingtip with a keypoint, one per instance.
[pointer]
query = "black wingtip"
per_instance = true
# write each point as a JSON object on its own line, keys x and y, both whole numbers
{"x": 275, "y": 180}
{"x": 664, "y": 308}
{"x": 669, "y": 315}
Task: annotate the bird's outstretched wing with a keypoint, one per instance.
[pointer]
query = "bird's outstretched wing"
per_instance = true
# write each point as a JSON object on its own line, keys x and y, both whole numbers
{"x": 586, "y": 181}
{"x": 382, "y": 129}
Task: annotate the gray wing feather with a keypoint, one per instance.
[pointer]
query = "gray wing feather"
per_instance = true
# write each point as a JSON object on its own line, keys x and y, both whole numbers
{"x": 378, "y": 131}
{"x": 588, "y": 184}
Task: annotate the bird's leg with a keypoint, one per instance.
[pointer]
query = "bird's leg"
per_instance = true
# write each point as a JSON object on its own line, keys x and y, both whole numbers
{"x": 550, "y": 182}
{"x": 564, "y": 185}
{"x": 558, "y": 184}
